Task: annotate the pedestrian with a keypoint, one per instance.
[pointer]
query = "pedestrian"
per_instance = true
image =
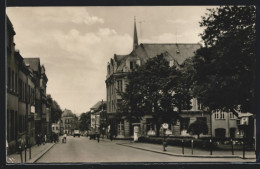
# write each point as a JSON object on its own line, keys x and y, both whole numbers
{"x": 64, "y": 138}
{"x": 45, "y": 138}
{"x": 98, "y": 135}
{"x": 111, "y": 136}
{"x": 38, "y": 139}
{"x": 51, "y": 137}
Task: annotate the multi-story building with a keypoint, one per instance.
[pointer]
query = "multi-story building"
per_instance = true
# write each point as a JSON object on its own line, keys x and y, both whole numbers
{"x": 116, "y": 80}
{"x": 26, "y": 88}
{"x": 26, "y": 96}
{"x": 67, "y": 122}
{"x": 55, "y": 127}
{"x": 12, "y": 88}
{"x": 98, "y": 116}
{"x": 40, "y": 94}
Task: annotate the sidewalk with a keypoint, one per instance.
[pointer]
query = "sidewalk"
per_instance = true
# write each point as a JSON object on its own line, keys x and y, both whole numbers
{"x": 177, "y": 151}
{"x": 36, "y": 153}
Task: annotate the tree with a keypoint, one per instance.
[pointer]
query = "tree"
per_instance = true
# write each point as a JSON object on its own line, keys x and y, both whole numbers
{"x": 198, "y": 127}
{"x": 224, "y": 76}
{"x": 84, "y": 121}
{"x": 75, "y": 122}
{"x": 55, "y": 109}
{"x": 155, "y": 88}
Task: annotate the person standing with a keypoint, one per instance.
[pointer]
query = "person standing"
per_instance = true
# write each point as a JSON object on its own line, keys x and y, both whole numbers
{"x": 64, "y": 137}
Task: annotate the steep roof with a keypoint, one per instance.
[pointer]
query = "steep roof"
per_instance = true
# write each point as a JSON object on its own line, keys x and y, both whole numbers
{"x": 97, "y": 105}
{"x": 119, "y": 58}
{"x": 67, "y": 113}
{"x": 33, "y": 62}
{"x": 178, "y": 52}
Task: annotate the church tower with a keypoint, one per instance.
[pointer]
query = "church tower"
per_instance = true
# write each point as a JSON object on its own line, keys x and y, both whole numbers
{"x": 135, "y": 44}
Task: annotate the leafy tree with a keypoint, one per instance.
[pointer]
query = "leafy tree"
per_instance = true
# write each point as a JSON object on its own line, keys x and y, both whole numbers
{"x": 155, "y": 88}
{"x": 198, "y": 127}
{"x": 85, "y": 121}
{"x": 75, "y": 122}
{"x": 55, "y": 109}
{"x": 224, "y": 69}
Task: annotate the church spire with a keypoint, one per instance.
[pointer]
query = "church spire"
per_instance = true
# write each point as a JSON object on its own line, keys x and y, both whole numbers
{"x": 135, "y": 44}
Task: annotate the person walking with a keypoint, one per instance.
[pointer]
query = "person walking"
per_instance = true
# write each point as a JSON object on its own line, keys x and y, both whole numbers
{"x": 44, "y": 138}
{"x": 64, "y": 138}
{"x": 98, "y": 136}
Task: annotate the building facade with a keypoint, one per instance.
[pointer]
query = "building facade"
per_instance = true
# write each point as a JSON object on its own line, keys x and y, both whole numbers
{"x": 26, "y": 88}
{"x": 116, "y": 80}
{"x": 98, "y": 117}
{"x": 67, "y": 122}
{"x": 12, "y": 88}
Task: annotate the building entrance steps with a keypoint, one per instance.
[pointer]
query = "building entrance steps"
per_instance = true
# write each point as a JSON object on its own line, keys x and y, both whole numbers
{"x": 178, "y": 151}
{"x": 36, "y": 153}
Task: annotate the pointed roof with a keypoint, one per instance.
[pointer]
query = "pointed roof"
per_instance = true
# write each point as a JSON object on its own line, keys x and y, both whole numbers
{"x": 135, "y": 44}
{"x": 67, "y": 113}
{"x": 178, "y": 52}
{"x": 98, "y": 105}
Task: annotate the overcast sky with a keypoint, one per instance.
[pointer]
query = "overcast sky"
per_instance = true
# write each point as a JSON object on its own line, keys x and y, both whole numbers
{"x": 75, "y": 43}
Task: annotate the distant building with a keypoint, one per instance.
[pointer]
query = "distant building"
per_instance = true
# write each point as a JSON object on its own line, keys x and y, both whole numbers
{"x": 98, "y": 121}
{"x": 67, "y": 122}
{"x": 116, "y": 80}
{"x": 55, "y": 128}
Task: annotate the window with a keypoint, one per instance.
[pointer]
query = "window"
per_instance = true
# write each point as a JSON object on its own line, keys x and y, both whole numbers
{"x": 20, "y": 88}
{"x": 119, "y": 85}
{"x": 57, "y": 128}
{"x": 12, "y": 81}
{"x": 12, "y": 125}
{"x": 231, "y": 115}
{"x": 9, "y": 78}
{"x": 53, "y": 128}
{"x": 16, "y": 85}
{"x": 131, "y": 65}
{"x": 219, "y": 115}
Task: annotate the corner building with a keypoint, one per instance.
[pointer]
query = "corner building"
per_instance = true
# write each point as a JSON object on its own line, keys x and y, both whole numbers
{"x": 116, "y": 79}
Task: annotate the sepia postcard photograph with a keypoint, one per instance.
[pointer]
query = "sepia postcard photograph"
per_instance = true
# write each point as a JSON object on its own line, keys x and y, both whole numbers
{"x": 109, "y": 84}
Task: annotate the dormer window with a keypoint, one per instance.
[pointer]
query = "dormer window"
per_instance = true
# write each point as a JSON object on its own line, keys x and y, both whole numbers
{"x": 177, "y": 51}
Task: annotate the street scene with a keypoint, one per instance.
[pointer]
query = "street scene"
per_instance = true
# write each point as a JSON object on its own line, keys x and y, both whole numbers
{"x": 127, "y": 84}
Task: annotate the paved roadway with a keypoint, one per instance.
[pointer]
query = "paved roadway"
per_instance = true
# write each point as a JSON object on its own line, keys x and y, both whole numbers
{"x": 84, "y": 150}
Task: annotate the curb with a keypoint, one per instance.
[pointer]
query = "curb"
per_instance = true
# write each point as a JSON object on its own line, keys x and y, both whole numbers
{"x": 38, "y": 156}
{"x": 182, "y": 155}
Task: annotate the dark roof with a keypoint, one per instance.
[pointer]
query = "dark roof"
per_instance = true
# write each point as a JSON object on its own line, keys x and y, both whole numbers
{"x": 178, "y": 52}
{"x": 67, "y": 113}
{"x": 97, "y": 105}
{"x": 10, "y": 25}
{"x": 33, "y": 62}
{"x": 118, "y": 58}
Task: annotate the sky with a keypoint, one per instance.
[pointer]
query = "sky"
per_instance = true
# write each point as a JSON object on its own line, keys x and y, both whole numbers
{"x": 75, "y": 43}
